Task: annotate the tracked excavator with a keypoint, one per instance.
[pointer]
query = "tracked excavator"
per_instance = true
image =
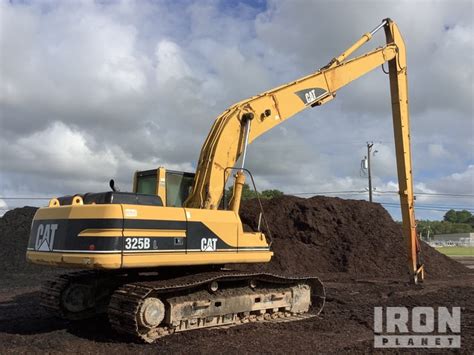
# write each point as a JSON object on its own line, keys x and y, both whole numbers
{"x": 156, "y": 260}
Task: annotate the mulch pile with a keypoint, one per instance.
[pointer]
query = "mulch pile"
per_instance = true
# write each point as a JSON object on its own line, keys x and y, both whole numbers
{"x": 314, "y": 235}
{"x": 328, "y": 235}
{"x": 14, "y": 234}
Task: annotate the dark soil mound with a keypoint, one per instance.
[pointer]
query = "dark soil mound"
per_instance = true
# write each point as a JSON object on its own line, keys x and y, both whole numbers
{"x": 14, "y": 234}
{"x": 327, "y": 234}
{"x": 315, "y": 235}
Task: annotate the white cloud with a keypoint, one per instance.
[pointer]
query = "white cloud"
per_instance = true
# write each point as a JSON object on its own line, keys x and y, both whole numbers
{"x": 438, "y": 151}
{"x": 456, "y": 183}
{"x": 59, "y": 150}
{"x": 3, "y": 207}
{"x": 94, "y": 90}
{"x": 170, "y": 62}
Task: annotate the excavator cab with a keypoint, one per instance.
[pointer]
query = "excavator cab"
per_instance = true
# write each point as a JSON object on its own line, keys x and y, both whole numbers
{"x": 173, "y": 187}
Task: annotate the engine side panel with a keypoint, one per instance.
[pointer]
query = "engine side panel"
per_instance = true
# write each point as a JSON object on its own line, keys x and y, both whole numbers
{"x": 138, "y": 236}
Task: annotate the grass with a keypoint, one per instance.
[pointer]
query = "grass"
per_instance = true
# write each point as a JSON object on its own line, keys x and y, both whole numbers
{"x": 456, "y": 251}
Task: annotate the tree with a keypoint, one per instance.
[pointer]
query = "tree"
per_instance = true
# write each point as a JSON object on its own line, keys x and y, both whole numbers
{"x": 464, "y": 216}
{"x": 248, "y": 193}
{"x": 450, "y": 216}
{"x": 442, "y": 227}
{"x": 458, "y": 216}
{"x": 269, "y": 194}
{"x": 471, "y": 222}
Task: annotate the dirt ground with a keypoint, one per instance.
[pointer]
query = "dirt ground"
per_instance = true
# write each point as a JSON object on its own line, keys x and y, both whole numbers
{"x": 355, "y": 247}
{"x": 345, "y": 325}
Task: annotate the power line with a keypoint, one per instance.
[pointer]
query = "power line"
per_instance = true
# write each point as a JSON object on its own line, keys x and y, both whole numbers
{"x": 25, "y": 198}
{"x": 386, "y": 204}
{"x": 427, "y": 194}
{"x": 437, "y": 206}
{"x": 382, "y": 192}
{"x": 417, "y": 208}
{"x": 434, "y": 207}
{"x": 294, "y": 193}
{"x": 327, "y": 192}
{"x": 430, "y": 207}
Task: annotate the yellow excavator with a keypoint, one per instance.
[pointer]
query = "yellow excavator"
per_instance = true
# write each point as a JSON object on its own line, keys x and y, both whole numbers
{"x": 155, "y": 257}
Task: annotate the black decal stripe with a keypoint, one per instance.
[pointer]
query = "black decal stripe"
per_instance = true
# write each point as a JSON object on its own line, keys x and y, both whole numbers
{"x": 69, "y": 251}
{"x": 318, "y": 92}
{"x": 198, "y": 230}
{"x": 66, "y": 237}
{"x": 154, "y": 251}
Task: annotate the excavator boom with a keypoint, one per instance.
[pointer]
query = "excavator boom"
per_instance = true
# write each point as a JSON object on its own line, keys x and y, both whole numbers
{"x": 397, "y": 68}
{"x": 230, "y": 134}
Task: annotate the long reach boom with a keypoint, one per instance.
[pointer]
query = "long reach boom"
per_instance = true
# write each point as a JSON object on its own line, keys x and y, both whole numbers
{"x": 246, "y": 120}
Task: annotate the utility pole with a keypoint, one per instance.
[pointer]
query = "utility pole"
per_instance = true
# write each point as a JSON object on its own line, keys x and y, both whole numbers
{"x": 369, "y": 150}
{"x": 366, "y": 167}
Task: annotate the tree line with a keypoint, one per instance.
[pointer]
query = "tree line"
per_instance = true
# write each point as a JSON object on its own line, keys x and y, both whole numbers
{"x": 248, "y": 193}
{"x": 453, "y": 222}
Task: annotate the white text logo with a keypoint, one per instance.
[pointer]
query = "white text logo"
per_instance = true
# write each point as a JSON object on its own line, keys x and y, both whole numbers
{"x": 45, "y": 237}
{"x": 422, "y": 327}
{"x": 208, "y": 244}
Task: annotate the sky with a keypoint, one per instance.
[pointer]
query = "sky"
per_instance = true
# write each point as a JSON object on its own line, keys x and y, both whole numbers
{"x": 94, "y": 90}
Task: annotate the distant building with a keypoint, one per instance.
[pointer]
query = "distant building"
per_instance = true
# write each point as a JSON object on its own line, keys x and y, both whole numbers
{"x": 455, "y": 239}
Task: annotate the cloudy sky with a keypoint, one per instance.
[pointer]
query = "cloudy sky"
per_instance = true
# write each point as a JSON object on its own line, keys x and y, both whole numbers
{"x": 93, "y": 90}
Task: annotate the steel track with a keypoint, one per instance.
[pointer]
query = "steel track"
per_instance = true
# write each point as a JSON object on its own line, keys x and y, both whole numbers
{"x": 126, "y": 301}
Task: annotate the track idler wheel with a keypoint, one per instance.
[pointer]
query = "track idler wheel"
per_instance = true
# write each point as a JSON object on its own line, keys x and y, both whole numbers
{"x": 77, "y": 298}
{"x": 151, "y": 313}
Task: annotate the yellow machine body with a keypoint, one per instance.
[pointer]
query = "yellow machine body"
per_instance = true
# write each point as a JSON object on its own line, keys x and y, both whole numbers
{"x": 189, "y": 224}
{"x": 115, "y": 236}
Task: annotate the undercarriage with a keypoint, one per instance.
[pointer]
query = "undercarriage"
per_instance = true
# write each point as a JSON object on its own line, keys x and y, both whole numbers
{"x": 150, "y": 306}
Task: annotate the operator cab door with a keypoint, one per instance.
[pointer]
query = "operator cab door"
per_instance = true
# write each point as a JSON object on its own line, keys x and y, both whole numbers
{"x": 207, "y": 231}
{"x": 166, "y": 225}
